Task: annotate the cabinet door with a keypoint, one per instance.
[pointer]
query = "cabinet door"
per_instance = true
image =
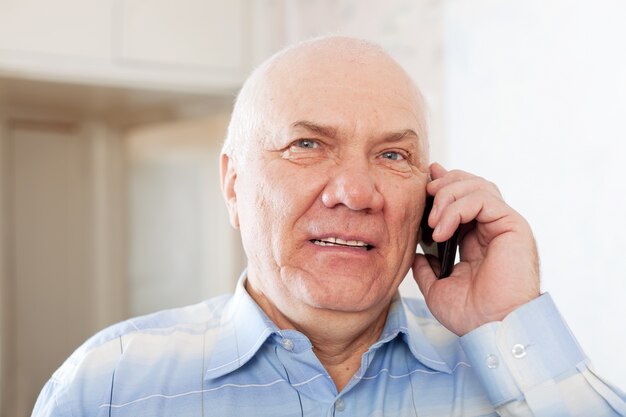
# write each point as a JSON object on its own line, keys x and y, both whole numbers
{"x": 76, "y": 28}
{"x": 205, "y": 34}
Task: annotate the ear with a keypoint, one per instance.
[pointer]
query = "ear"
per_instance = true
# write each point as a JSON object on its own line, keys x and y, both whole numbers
{"x": 228, "y": 176}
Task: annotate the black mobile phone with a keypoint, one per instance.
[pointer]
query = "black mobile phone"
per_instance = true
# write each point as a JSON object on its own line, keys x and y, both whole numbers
{"x": 444, "y": 251}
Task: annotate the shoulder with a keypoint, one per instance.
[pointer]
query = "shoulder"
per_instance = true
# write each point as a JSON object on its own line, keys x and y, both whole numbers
{"x": 208, "y": 312}
{"x": 201, "y": 316}
{"x": 84, "y": 380}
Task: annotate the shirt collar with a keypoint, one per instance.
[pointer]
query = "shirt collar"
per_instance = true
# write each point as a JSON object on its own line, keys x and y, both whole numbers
{"x": 244, "y": 328}
{"x": 417, "y": 329}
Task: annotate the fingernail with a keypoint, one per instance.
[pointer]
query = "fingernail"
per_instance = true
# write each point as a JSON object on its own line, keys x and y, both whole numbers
{"x": 437, "y": 230}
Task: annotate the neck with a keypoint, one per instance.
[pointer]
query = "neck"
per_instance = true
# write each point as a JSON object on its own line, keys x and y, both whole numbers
{"x": 341, "y": 355}
{"x": 339, "y": 338}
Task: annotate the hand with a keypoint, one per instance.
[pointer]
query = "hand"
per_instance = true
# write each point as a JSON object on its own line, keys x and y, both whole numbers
{"x": 499, "y": 268}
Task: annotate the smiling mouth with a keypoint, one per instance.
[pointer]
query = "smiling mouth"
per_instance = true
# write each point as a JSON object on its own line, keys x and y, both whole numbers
{"x": 335, "y": 241}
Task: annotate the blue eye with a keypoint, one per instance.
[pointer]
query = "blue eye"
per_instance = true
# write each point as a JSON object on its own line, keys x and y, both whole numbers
{"x": 307, "y": 144}
{"x": 393, "y": 156}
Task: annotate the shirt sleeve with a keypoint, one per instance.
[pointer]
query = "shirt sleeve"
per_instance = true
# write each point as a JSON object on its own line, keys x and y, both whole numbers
{"x": 530, "y": 364}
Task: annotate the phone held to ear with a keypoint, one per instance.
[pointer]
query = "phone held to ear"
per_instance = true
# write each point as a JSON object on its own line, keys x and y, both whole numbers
{"x": 444, "y": 251}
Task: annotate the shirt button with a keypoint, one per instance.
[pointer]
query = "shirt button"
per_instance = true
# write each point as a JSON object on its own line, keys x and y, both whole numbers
{"x": 519, "y": 351}
{"x": 340, "y": 405}
{"x": 287, "y": 344}
{"x": 492, "y": 362}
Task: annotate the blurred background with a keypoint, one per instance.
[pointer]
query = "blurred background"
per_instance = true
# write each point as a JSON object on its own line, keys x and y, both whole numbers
{"x": 112, "y": 114}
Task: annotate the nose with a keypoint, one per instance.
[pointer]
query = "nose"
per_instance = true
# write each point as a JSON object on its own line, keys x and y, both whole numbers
{"x": 353, "y": 185}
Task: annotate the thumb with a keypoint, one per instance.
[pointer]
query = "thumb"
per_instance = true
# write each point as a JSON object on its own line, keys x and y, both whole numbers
{"x": 424, "y": 273}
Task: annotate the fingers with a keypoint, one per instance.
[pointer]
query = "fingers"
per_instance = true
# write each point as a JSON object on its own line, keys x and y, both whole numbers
{"x": 460, "y": 198}
{"x": 457, "y": 182}
{"x": 478, "y": 205}
{"x": 437, "y": 170}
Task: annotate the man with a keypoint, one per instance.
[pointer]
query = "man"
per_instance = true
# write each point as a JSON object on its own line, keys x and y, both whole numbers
{"x": 325, "y": 172}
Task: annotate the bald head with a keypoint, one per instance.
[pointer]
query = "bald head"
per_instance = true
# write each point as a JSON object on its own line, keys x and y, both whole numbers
{"x": 318, "y": 67}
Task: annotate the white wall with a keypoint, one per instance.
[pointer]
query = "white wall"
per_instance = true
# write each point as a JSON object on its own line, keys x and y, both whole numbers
{"x": 535, "y": 101}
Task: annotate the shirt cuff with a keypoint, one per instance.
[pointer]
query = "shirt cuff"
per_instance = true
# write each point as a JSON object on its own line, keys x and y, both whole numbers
{"x": 531, "y": 346}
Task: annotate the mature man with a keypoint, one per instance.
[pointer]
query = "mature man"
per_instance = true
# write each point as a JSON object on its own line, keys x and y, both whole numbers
{"x": 325, "y": 172}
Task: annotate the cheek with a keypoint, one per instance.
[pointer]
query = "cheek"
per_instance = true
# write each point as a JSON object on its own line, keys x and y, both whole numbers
{"x": 280, "y": 198}
{"x": 404, "y": 205}
{"x": 293, "y": 186}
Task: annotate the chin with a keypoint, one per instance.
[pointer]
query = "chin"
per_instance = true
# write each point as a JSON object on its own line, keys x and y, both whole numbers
{"x": 339, "y": 295}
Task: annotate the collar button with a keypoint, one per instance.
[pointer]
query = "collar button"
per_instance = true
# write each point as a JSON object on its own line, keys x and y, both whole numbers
{"x": 287, "y": 344}
{"x": 340, "y": 405}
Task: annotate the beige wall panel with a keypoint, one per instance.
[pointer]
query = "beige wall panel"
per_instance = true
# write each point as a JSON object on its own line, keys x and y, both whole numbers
{"x": 50, "y": 278}
{"x": 182, "y": 248}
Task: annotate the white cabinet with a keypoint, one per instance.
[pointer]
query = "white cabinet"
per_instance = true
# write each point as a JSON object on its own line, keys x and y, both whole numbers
{"x": 70, "y": 28}
{"x": 201, "y": 46}
{"x": 205, "y": 34}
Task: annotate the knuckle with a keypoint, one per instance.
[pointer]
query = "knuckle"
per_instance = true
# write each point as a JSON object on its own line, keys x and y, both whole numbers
{"x": 494, "y": 187}
{"x": 460, "y": 174}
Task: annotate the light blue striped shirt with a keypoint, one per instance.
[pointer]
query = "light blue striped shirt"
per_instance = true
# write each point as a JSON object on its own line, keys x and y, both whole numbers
{"x": 225, "y": 357}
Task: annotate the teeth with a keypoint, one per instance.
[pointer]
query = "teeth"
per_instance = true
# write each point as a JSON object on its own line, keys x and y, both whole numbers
{"x": 335, "y": 241}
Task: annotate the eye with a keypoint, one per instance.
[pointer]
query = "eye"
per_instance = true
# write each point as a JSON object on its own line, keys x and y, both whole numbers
{"x": 306, "y": 144}
{"x": 393, "y": 156}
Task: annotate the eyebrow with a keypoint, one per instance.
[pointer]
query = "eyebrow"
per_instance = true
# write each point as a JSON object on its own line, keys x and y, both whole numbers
{"x": 331, "y": 132}
{"x": 327, "y": 131}
{"x": 402, "y": 134}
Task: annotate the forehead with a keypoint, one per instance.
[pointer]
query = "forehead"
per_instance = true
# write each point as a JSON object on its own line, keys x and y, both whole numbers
{"x": 345, "y": 91}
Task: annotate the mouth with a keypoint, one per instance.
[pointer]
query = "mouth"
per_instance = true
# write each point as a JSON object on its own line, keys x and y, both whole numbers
{"x": 335, "y": 241}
